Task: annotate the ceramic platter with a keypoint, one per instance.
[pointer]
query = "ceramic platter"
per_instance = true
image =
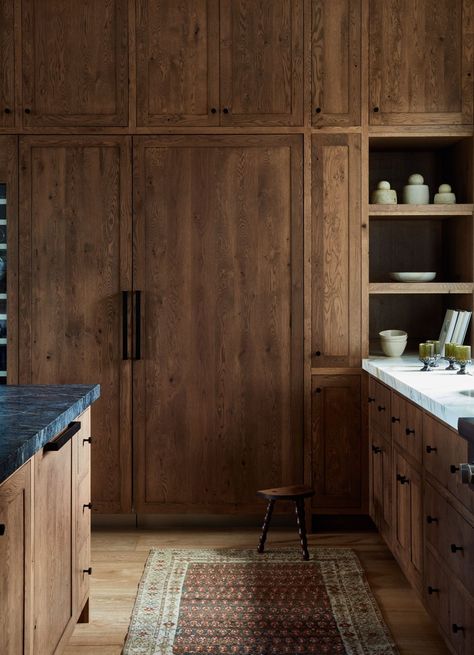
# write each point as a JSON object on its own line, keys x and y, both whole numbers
{"x": 399, "y": 276}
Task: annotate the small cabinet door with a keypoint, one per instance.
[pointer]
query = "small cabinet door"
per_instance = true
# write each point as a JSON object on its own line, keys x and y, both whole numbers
{"x": 337, "y": 459}
{"x": 177, "y": 62}
{"x": 336, "y": 247}
{"x": 381, "y": 484}
{"x": 15, "y": 563}
{"x": 261, "y": 62}
{"x": 7, "y": 65}
{"x": 420, "y": 62}
{"x": 335, "y": 62}
{"x": 75, "y": 63}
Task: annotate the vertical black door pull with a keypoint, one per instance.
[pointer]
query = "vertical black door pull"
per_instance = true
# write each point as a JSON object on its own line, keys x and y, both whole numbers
{"x": 138, "y": 325}
{"x": 125, "y": 325}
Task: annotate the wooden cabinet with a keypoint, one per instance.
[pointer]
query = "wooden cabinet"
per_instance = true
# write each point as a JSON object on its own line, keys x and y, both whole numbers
{"x": 75, "y": 235}
{"x": 420, "y": 62}
{"x": 75, "y": 63}
{"x": 336, "y": 460}
{"x": 336, "y": 251}
{"x": 336, "y": 62}
{"x": 407, "y": 426}
{"x": 218, "y": 388}
{"x": 381, "y": 484}
{"x": 8, "y": 106}
{"x": 379, "y": 401}
{"x": 15, "y": 563}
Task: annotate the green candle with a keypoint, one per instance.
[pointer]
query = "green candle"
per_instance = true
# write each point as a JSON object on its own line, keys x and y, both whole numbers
{"x": 425, "y": 350}
{"x": 449, "y": 349}
{"x": 463, "y": 353}
{"x": 435, "y": 344}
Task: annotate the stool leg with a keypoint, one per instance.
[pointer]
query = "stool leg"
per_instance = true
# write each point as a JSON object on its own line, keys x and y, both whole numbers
{"x": 301, "y": 521}
{"x": 266, "y": 525}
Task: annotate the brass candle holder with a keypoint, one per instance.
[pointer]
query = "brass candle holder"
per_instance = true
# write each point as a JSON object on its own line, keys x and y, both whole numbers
{"x": 426, "y": 355}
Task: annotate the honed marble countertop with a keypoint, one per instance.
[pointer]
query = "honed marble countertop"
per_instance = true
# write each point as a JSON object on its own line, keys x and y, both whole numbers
{"x": 31, "y": 415}
{"x": 444, "y": 394}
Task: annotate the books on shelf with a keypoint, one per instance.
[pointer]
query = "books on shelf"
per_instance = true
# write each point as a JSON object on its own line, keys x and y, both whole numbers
{"x": 454, "y": 327}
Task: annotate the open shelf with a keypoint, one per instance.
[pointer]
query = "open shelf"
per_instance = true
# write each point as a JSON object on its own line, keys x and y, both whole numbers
{"x": 439, "y": 211}
{"x": 421, "y": 287}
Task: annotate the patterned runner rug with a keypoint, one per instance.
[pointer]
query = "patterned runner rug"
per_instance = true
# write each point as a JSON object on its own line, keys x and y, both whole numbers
{"x": 223, "y": 602}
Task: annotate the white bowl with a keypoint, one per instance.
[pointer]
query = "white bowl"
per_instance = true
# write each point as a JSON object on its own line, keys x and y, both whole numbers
{"x": 393, "y": 348}
{"x": 393, "y": 335}
{"x": 411, "y": 276}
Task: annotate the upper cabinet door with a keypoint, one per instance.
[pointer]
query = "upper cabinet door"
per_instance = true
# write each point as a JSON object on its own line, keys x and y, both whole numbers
{"x": 75, "y": 63}
{"x": 7, "y": 64}
{"x": 335, "y": 62}
{"x": 177, "y": 62}
{"x": 261, "y": 62}
{"x": 421, "y": 62}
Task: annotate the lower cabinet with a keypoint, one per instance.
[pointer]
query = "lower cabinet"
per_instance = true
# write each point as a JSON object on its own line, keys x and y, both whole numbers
{"x": 381, "y": 484}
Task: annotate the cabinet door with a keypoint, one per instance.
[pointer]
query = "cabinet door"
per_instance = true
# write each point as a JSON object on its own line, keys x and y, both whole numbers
{"x": 15, "y": 563}
{"x": 336, "y": 442}
{"x": 75, "y": 245}
{"x": 381, "y": 483}
{"x": 75, "y": 63}
{"x": 336, "y": 251}
{"x": 261, "y": 62}
{"x": 407, "y": 426}
{"x": 177, "y": 62}
{"x": 7, "y": 67}
{"x": 218, "y": 391}
{"x": 335, "y": 62}
{"x": 54, "y": 505}
{"x": 420, "y": 62}
{"x": 82, "y": 489}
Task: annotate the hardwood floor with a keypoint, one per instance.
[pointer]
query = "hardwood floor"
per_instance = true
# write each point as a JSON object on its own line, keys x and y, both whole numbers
{"x": 118, "y": 557}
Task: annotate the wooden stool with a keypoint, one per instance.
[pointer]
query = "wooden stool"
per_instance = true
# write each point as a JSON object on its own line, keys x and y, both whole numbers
{"x": 296, "y": 493}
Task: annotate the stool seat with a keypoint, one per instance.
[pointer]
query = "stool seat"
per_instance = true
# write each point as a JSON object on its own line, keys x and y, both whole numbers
{"x": 297, "y": 493}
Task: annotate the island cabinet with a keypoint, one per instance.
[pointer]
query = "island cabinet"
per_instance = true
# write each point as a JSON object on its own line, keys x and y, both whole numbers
{"x": 421, "y": 62}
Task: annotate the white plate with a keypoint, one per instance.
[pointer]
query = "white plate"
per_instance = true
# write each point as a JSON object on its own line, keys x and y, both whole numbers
{"x": 413, "y": 277}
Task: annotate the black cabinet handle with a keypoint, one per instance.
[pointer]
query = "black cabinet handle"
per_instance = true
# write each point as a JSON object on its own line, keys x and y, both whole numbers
{"x": 395, "y": 419}
{"x": 318, "y": 389}
{"x": 138, "y": 325}
{"x": 2, "y": 529}
{"x": 431, "y": 519}
{"x": 381, "y": 408}
{"x": 375, "y": 109}
{"x": 371, "y": 400}
{"x": 431, "y": 449}
{"x": 457, "y": 628}
{"x": 87, "y": 506}
{"x": 213, "y": 110}
{"x": 453, "y": 468}
{"x": 455, "y": 548}
{"x": 226, "y": 110}
{"x": 408, "y": 431}
{"x": 125, "y": 354}
{"x": 63, "y": 438}
{"x": 27, "y": 110}
{"x": 88, "y": 440}
{"x": 7, "y": 110}
{"x": 88, "y": 571}
{"x": 376, "y": 449}
{"x": 432, "y": 590}
{"x": 318, "y": 110}
{"x": 318, "y": 354}
{"x": 402, "y": 479}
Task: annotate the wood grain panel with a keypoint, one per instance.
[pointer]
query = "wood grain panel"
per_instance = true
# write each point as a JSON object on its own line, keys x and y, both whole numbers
{"x": 177, "y": 62}
{"x": 75, "y": 233}
{"x": 7, "y": 64}
{"x": 337, "y": 434}
{"x": 421, "y": 61}
{"x": 75, "y": 63}
{"x": 336, "y": 62}
{"x": 261, "y": 62}
{"x": 218, "y": 393}
{"x": 336, "y": 251}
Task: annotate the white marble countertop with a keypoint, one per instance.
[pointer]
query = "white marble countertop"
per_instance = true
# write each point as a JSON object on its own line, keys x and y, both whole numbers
{"x": 444, "y": 394}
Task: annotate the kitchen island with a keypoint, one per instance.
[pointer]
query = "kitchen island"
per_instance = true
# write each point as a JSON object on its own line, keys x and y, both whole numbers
{"x": 45, "y": 507}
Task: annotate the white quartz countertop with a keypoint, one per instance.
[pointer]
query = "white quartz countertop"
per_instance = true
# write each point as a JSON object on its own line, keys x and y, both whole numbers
{"x": 444, "y": 394}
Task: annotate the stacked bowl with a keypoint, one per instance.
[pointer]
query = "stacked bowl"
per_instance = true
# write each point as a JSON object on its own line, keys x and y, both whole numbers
{"x": 393, "y": 342}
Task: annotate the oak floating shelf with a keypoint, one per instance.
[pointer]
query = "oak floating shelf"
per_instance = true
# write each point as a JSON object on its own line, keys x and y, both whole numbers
{"x": 389, "y": 211}
{"x": 421, "y": 287}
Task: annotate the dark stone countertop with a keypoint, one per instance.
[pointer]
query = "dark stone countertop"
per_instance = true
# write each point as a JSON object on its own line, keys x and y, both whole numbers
{"x": 31, "y": 415}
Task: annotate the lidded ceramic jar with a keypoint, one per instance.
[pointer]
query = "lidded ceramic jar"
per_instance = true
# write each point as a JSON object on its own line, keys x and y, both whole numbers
{"x": 383, "y": 194}
{"x": 416, "y": 192}
{"x": 444, "y": 195}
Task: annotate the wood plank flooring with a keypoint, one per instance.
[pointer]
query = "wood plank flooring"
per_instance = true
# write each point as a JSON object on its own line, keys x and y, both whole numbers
{"x": 118, "y": 557}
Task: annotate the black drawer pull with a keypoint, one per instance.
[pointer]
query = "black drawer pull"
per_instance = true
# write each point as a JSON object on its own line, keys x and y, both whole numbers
{"x": 125, "y": 354}
{"x": 376, "y": 449}
{"x": 65, "y": 436}
{"x": 87, "y": 506}
{"x": 457, "y": 628}
{"x": 88, "y": 440}
{"x": 371, "y": 400}
{"x": 226, "y": 110}
{"x": 431, "y": 519}
{"x": 88, "y": 571}
{"x": 138, "y": 325}
{"x": 453, "y": 468}
{"x": 455, "y": 548}
{"x": 2, "y": 529}
{"x": 408, "y": 431}
{"x": 431, "y": 449}
{"x": 213, "y": 110}
{"x": 7, "y": 110}
{"x": 395, "y": 419}
{"x": 381, "y": 408}
{"x": 402, "y": 479}
{"x": 432, "y": 590}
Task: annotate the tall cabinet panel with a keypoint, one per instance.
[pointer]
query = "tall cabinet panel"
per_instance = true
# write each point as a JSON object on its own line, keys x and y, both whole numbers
{"x": 261, "y": 62}
{"x": 75, "y": 63}
{"x": 218, "y": 391}
{"x": 336, "y": 62}
{"x": 421, "y": 62}
{"x": 336, "y": 251}
{"x": 177, "y": 62}
{"x": 7, "y": 64}
{"x": 75, "y": 236}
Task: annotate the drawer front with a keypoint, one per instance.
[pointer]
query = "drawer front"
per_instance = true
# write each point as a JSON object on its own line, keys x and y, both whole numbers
{"x": 461, "y": 622}
{"x": 443, "y": 451}
{"x": 379, "y": 409}
{"x": 436, "y": 591}
{"x": 407, "y": 426}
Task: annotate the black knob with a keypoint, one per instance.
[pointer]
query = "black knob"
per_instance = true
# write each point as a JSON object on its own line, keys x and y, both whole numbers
{"x": 402, "y": 479}
{"x": 381, "y": 408}
{"x": 375, "y": 109}
{"x": 431, "y": 449}
{"x": 2, "y": 529}
{"x": 395, "y": 419}
{"x": 213, "y": 110}
{"x": 371, "y": 400}
{"x": 88, "y": 571}
{"x": 88, "y": 440}
{"x": 7, "y": 110}
{"x": 318, "y": 110}
{"x": 455, "y": 548}
{"x": 318, "y": 353}
{"x": 432, "y": 590}
{"x": 457, "y": 628}
{"x": 87, "y": 506}
{"x": 318, "y": 389}
{"x": 431, "y": 519}
{"x": 226, "y": 110}
{"x": 376, "y": 449}
{"x": 408, "y": 431}
{"x": 27, "y": 111}
{"x": 453, "y": 468}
